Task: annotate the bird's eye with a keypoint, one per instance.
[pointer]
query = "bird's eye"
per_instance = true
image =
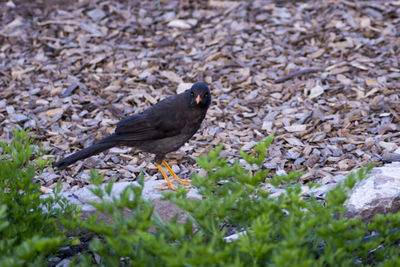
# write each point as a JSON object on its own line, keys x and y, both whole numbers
{"x": 191, "y": 93}
{"x": 206, "y": 94}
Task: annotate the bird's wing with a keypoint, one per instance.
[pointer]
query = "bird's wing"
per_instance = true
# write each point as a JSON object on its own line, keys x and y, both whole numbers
{"x": 159, "y": 121}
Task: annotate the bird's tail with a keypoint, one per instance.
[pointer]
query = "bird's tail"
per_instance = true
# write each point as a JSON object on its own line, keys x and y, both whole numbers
{"x": 85, "y": 153}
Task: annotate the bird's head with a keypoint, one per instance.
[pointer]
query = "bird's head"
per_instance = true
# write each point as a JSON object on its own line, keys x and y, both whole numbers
{"x": 200, "y": 95}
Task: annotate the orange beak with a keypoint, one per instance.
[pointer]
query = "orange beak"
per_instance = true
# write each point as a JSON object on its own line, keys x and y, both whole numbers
{"x": 198, "y": 99}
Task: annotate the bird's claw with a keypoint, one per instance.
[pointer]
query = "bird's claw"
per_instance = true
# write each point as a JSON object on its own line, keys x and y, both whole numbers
{"x": 171, "y": 186}
{"x": 166, "y": 187}
{"x": 182, "y": 181}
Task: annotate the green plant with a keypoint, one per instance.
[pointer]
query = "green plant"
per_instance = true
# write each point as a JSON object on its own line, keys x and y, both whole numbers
{"x": 287, "y": 230}
{"x": 28, "y": 223}
{"x": 284, "y": 231}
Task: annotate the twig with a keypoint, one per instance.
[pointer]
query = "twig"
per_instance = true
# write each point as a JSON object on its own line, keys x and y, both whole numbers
{"x": 241, "y": 63}
{"x": 298, "y": 73}
{"x": 63, "y": 22}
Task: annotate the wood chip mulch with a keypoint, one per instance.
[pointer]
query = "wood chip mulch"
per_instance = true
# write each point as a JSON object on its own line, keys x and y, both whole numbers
{"x": 323, "y": 76}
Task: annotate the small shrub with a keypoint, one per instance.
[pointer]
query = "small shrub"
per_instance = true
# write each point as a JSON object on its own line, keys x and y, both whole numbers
{"x": 28, "y": 224}
{"x": 284, "y": 231}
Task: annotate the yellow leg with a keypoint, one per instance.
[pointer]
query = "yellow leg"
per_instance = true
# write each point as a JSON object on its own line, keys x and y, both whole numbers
{"x": 167, "y": 181}
{"x": 176, "y": 178}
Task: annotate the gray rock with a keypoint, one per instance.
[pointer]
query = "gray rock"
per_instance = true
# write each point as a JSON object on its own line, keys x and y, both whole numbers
{"x": 165, "y": 209}
{"x": 378, "y": 194}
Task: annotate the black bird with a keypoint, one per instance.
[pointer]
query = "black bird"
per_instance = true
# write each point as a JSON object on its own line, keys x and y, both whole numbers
{"x": 160, "y": 129}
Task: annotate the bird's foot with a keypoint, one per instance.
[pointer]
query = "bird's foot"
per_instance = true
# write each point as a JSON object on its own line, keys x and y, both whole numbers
{"x": 169, "y": 186}
{"x": 176, "y": 178}
{"x": 167, "y": 181}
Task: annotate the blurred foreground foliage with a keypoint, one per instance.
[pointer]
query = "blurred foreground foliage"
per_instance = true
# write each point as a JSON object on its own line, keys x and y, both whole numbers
{"x": 287, "y": 230}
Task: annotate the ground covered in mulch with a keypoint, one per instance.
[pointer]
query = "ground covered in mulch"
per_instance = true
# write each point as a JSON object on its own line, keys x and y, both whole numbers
{"x": 322, "y": 75}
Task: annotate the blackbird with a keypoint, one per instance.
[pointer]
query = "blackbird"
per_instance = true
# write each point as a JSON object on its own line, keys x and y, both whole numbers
{"x": 160, "y": 129}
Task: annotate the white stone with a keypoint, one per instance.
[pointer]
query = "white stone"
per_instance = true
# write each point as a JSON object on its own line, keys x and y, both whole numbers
{"x": 84, "y": 196}
{"x": 376, "y": 194}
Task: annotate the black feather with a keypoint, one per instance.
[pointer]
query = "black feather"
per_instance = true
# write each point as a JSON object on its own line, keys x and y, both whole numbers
{"x": 160, "y": 129}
